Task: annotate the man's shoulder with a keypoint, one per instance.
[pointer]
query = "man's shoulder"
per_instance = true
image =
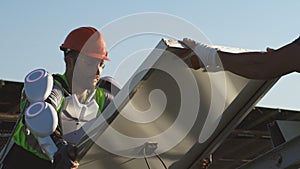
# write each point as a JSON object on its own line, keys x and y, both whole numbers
{"x": 60, "y": 80}
{"x": 109, "y": 84}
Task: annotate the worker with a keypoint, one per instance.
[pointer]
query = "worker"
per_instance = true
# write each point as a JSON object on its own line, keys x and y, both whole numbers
{"x": 84, "y": 55}
{"x": 252, "y": 65}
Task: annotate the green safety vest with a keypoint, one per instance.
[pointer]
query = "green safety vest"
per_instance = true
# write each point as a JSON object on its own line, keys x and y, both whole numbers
{"x": 22, "y": 139}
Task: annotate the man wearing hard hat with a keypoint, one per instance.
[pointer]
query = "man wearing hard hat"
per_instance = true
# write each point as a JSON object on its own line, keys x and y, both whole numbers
{"x": 56, "y": 108}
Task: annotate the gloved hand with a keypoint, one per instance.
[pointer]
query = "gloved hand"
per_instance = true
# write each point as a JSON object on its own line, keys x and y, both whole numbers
{"x": 207, "y": 55}
{"x": 65, "y": 157}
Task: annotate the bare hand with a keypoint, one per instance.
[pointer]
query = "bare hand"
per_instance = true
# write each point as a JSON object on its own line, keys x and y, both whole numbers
{"x": 76, "y": 165}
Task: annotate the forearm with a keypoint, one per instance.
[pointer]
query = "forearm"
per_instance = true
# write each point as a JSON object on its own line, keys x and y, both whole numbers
{"x": 250, "y": 65}
{"x": 253, "y": 65}
{"x": 263, "y": 65}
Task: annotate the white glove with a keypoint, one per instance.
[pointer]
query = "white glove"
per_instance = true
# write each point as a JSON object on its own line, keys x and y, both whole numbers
{"x": 207, "y": 55}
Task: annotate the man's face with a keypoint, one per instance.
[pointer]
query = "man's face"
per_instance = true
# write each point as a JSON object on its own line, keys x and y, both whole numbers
{"x": 87, "y": 72}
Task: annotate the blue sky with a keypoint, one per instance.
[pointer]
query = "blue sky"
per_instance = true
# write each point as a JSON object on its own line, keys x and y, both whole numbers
{"x": 31, "y": 32}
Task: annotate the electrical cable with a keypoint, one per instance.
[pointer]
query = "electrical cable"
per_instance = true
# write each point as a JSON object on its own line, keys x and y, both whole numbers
{"x": 160, "y": 159}
{"x": 145, "y": 157}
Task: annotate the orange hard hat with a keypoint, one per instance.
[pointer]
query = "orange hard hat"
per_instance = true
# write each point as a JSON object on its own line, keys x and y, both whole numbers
{"x": 86, "y": 40}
